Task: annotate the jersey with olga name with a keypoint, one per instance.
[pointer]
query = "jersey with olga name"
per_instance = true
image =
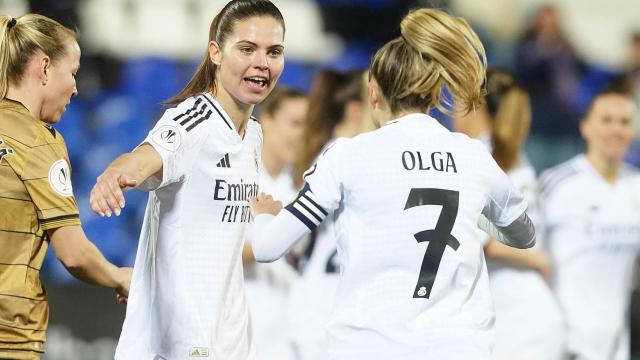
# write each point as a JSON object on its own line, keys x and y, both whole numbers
{"x": 406, "y": 200}
{"x": 593, "y": 230}
{"x": 187, "y": 295}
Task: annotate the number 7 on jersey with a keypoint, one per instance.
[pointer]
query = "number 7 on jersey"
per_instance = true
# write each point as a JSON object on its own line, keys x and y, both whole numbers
{"x": 438, "y": 238}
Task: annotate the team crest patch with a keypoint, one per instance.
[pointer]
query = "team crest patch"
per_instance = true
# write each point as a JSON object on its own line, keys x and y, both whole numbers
{"x": 168, "y": 137}
{"x": 60, "y": 178}
{"x": 6, "y": 151}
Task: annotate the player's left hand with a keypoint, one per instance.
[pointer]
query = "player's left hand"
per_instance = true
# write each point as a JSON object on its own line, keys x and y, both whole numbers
{"x": 264, "y": 204}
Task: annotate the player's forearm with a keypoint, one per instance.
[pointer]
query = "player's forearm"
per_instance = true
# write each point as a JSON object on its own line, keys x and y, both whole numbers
{"x": 520, "y": 233}
{"x": 272, "y": 236}
{"x": 518, "y": 257}
{"x": 138, "y": 165}
{"x": 83, "y": 260}
{"x": 91, "y": 267}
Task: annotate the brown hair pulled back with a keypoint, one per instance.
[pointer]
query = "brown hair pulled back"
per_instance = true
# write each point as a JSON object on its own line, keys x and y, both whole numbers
{"x": 222, "y": 26}
{"x": 509, "y": 110}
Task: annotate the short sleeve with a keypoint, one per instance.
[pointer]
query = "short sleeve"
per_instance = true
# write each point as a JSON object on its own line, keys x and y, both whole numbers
{"x": 324, "y": 178}
{"x": 505, "y": 202}
{"x": 177, "y": 141}
{"x": 47, "y": 178}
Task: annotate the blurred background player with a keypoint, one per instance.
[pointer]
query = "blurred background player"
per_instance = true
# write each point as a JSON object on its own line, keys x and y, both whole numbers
{"x": 336, "y": 109}
{"x": 528, "y": 319}
{"x": 39, "y": 59}
{"x": 282, "y": 118}
{"x": 410, "y": 185}
{"x": 591, "y": 207}
{"x": 200, "y": 163}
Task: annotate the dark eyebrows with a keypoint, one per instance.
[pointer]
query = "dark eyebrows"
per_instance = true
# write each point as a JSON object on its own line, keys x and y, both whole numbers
{"x": 247, "y": 42}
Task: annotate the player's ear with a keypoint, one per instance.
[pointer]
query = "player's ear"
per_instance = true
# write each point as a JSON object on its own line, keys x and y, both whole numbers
{"x": 374, "y": 93}
{"x": 215, "y": 53}
{"x": 585, "y": 128}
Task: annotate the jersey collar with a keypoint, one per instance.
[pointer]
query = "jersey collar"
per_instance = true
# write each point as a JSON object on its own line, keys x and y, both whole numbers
{"x": 416, "y": 119}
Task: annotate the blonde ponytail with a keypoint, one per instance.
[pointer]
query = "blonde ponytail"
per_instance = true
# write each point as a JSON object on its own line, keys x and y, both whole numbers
{"x": 436, "y": 50}
{"x": 21, "y": 37}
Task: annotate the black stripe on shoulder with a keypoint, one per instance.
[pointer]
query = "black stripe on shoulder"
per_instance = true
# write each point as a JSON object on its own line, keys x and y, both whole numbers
{"x": 189, "y": 111}
{"x": 254, "y": 118}
{"x": 199, "y": 120}
{"x": 219, "y": 112}
{"x": 196, "y": 114}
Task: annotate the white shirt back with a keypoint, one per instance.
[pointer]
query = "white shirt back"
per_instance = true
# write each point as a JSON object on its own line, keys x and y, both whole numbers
{"x": 187, "y": 297}
{"x": 593, "y": 232}
{"x": 407, "y": 198}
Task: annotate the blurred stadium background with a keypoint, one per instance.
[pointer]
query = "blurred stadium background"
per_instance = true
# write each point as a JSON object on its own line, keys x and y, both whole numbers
{"x": 137, "y": 53}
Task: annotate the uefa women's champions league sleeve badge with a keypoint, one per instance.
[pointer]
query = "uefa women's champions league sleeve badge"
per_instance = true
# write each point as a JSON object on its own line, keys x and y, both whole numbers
{"x": 167, "y": 137}
{"x": 60, "y": 178}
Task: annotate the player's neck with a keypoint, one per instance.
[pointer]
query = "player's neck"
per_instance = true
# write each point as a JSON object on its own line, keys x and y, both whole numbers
{"x": 237, "y": 111}
{"x": 608, "y": 169}
{"x": 26, "y": 98}
{"x": 346, "y": 129}
{"x": 272, "y": 164}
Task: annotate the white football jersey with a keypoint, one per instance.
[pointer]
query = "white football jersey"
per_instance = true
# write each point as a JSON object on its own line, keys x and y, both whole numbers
{"x": 187, "y": 296}
{"x": 267, "y": 285}
{"x": 312, "y": 298}
{"x": 406, "y": 199}
{"x": 593, "y": 232}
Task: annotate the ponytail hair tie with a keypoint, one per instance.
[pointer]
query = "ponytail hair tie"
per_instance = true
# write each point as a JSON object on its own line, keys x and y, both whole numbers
{"x": 12, "y": 23}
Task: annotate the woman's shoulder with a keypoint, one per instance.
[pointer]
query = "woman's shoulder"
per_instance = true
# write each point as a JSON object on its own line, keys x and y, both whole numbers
{"x": 24, "y": 129}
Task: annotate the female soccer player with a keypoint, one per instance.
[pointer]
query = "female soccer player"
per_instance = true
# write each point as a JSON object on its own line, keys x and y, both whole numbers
{"x": 282, "y": 118}
{"x": 407, "y": 199}
{"x": 335, "y": 111}
{"x": 200, "y": 163}
{"x": 38, "y": 62}
{"x": 591, "y": 210}
{"x": 528, "y": 319}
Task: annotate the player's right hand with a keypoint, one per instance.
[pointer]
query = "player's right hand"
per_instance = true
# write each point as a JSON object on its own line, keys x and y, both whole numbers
{"x": 264, "y": 204}
{"x": 106, "y": 196}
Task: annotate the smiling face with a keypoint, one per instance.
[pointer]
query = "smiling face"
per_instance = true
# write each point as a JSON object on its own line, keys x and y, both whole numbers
{"x": 61, "y": 83}
{"x": 250, "y": 60}
{"x": 609, "y": 127}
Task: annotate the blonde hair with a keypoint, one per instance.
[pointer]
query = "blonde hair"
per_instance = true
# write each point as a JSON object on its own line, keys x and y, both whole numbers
{"x": 435, "y": 50}
{"x": 509, "y": 110}
{"x": 22, "y": 37}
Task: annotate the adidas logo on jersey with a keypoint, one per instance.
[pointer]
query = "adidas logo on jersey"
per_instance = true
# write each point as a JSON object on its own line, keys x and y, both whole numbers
{"x": 199, "y": 352}
{"x": 224, "y": 162}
